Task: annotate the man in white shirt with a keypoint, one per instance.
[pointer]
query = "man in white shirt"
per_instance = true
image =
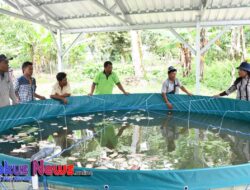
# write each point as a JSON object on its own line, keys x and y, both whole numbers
{"x": 172, "y": 86}
{"x": 6, "y": 86}
{"x": 61, "y": 90}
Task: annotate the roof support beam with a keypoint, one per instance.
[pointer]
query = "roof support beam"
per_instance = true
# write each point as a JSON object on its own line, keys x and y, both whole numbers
{"x": 17, "y": 6}
{"x": 179, "y": 37}
{"x": 97, "y": 3}
{"x": 20, "y": 7}
{"x": 203, "y": 7}
{"x": 55, "y": 2}
{"x": 130, "y": 27}
{"x": 211, "y": 42}
{"x": 127, "y": 15}
{"x": 28, "y": 18}
{"x": 72, "y": 44}
{"x": 10, "y": 4}
{"x": 122, "y": 7}
{"x": 31, "y": 2}
{"x": 158, "y": 26}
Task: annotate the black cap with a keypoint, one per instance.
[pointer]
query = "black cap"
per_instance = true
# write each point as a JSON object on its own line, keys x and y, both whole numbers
{"x": 171, "y": 69}
{"x": 4, "y": 58}
{"x": 244, "y": 66}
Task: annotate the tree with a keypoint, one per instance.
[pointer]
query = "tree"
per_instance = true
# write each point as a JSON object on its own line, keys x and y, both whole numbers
{"x": 137, "y": 53}
{"x": 238, "y": 44}
{"x": 26, "y": 42}
{"x": 186, "y": 60}
{"x": 114, "y": 46}
{"x": 203, "y": 42}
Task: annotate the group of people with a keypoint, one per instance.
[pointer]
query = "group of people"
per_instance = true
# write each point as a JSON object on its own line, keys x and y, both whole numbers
{"x": 23, "y": 89}
{"x": 241, "y": 85}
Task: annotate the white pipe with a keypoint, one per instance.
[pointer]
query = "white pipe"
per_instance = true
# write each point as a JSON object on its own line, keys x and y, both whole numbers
{"x": 198, "y": 57}
{"x": 59, "y": 51}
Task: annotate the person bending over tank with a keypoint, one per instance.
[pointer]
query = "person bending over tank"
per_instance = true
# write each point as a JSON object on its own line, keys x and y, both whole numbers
{"x": 61, "y": 90}
{"x": 171, "y": 86}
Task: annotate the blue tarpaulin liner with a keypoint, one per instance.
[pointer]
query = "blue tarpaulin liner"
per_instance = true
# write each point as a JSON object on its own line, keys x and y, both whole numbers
{"x": 152, "y": 180}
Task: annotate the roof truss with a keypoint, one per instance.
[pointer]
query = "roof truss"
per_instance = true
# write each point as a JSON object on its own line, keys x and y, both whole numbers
{"x": 123, "y": 17}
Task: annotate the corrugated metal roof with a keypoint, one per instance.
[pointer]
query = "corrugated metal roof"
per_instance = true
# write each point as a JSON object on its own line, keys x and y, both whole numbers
{"x": 109, "y": 15}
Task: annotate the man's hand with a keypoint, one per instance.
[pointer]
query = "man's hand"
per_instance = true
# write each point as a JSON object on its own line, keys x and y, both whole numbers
{"x": 65, "y": 101}
{"x": 216, "y": 96}
{"x": 126, "y": 93}
{"x": 169, "y": 105}
{"x": 90, "y": 94}
{"x": 42, "y": 98}
{"x": 189, "y": 94}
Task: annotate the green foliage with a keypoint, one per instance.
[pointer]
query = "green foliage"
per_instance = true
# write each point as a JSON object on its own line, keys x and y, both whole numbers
{"x": 160, "y": 43}
{"x": 110, "y": 46}
{"x": 77, "y": 55}
{"x": 26, "y": 41}
{"x": 219, "y": 71}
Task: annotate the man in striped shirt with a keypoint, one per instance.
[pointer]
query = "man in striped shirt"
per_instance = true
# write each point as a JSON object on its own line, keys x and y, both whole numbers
{"x": 25, "y": 86}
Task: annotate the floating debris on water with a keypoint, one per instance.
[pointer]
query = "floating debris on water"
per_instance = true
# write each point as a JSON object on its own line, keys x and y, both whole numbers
{"x": 158, "y": 144}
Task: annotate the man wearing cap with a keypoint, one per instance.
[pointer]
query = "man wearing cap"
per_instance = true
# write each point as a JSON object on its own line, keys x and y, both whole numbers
{"x": 172, "y": 86}
{"x": 6, "y": 86}
{"x": 241, "y": 84}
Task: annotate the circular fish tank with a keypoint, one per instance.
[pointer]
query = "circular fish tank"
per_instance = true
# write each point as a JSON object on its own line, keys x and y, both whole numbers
{"x": 132, "y": 142}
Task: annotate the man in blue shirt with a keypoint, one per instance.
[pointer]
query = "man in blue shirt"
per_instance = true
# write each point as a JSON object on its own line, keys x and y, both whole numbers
{"x": 25, "y": 86}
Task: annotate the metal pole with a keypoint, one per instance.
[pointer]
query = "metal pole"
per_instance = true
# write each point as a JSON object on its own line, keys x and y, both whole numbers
{"x": 59, "y": 51}
{"x": 178, "y": 36}
{"x": 72, "y": 44}
{"x": 198, "y": 61}
{"x": 198, "y": 57}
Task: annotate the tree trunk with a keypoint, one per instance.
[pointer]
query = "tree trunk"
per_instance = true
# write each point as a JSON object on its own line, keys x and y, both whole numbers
{"x": 32, "y": 55}
{"x": 203, "y": 42}
{"x": 232, "y": 72}
{"x": 243, "y": 44}
{"x": 185, "y": 59}
{"x": 238, "y": 44}
{"x": 137, "y": 53}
